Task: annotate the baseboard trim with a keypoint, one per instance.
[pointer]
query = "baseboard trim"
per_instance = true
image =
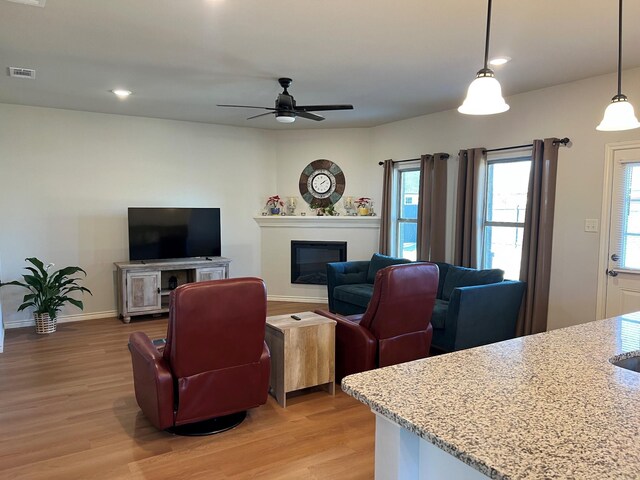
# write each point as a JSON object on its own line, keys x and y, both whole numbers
{"x": 80, "y": 317}
{"x": 283, "y": 298}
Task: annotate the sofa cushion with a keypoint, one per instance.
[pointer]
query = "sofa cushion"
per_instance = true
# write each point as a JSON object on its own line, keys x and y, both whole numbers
{"x": 357, "y": 294}
{"x": 466, "y": 277}
{"x": 443, "y": 268}
{"x": 439, "y": 315}
{"x": 382, "y": 261}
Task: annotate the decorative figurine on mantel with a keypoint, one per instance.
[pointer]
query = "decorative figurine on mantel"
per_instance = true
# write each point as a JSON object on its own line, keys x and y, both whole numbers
{"x": 292, "y": 203}
{"x": 349, "y": 206}
{"x": 274, "y": 204}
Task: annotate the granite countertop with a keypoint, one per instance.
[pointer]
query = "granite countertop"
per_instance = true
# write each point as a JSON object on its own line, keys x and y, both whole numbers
{"x": 546, "y": 406}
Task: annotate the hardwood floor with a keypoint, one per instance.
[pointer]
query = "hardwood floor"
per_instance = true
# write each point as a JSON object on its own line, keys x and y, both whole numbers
{"x": 68, "y": 411}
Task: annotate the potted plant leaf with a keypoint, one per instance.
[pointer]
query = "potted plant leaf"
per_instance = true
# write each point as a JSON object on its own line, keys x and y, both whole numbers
{"x": 49, "y": 292}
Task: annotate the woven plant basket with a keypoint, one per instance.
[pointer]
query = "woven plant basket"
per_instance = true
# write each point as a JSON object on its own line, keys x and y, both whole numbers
{"x": 44, "y": 323}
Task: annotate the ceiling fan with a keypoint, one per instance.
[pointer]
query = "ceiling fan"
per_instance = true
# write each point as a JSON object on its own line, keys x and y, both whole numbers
{"x": 286, "y": 109}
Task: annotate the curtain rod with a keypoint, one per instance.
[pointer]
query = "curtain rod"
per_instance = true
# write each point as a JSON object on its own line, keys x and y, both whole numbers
{"x": 445, "y": 156}
{"x": 564, "y": 141}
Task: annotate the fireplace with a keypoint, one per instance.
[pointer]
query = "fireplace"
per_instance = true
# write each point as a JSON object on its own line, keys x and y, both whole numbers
{"x": 309, "y": 260}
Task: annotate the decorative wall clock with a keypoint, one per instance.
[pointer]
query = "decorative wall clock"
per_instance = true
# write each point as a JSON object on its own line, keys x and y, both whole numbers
{"x": 322, "y": 183}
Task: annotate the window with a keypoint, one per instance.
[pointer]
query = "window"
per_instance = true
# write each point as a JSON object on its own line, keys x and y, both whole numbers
{"x": 627, "y": 222}
{"x": 405, "y": 225}
{"x": 505, "y": 208}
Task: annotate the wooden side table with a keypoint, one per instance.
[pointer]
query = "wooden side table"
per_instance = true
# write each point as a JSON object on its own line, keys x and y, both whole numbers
{"x": 302, "y": 353}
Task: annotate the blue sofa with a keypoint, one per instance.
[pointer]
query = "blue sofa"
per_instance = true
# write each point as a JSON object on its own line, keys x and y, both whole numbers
{"x": 473, "y": 307}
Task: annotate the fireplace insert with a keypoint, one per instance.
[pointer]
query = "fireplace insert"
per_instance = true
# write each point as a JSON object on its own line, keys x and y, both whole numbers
{"x": 309, "y": 260}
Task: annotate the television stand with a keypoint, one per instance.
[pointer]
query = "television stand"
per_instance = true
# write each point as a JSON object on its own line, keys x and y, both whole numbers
{"x": 143, "y": 286}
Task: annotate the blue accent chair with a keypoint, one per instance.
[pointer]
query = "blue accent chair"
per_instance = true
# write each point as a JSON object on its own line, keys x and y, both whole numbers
{"x": 473, "y": 307}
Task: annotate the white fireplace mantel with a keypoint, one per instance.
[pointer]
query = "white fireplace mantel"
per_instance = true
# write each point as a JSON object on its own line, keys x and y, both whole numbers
{"x": 314, "y": 221}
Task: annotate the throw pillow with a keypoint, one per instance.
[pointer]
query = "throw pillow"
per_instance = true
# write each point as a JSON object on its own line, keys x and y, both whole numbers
{"x": 466, "y": 277}
{"x": 382, "y": 261}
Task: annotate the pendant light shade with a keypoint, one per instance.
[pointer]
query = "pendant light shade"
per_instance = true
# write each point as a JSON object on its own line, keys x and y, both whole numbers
{"x": 619, "y": 115}
{"x": 484, "y": 96}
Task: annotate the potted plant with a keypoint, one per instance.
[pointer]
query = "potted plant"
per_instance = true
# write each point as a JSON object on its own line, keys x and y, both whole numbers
{"x": 363, "y": 204}
{"x": 324, "y": 211}
{"x": 49, "y": 291}
{"x": 274, "y": 203}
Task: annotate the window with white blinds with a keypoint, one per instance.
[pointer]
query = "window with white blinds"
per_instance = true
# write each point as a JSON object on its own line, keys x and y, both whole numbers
{"x": 625, "y": 221}
{"x": 405, "y": 219}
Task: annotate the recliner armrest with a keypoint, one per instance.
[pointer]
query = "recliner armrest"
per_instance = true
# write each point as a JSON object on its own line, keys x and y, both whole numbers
{"x": 483, "y": 314}
{"x": 153, "y": 381}
{"x": 356, "y": 347}
{"x": 345, "y": 273}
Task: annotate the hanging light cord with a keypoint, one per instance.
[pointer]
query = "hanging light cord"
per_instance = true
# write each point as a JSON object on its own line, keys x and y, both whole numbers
{"x": 619, "y": 49}
{"x": 486, "y": 43}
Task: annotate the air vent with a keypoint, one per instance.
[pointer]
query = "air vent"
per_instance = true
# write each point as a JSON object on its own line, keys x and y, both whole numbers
{"x": 33, "y": 3}
{"x": 19, "y": 72}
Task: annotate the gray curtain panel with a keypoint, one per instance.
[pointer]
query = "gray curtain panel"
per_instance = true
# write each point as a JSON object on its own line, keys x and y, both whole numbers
{"x": 472, "y": 166}
{"x": 432, "y": 207}
{"x": 538, "y": 233}
{"x": 385, "y": 208}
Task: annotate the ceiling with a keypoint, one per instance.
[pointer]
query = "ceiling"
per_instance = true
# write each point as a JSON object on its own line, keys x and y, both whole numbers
{"x": 391, "y": 60}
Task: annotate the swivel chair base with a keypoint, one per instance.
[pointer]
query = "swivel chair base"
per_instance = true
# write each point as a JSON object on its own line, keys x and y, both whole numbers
{"x": 210, "y": 426}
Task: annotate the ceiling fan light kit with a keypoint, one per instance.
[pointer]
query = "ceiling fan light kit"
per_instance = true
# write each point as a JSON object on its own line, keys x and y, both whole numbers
{"x": 619, "y": 115}
{"x": 285, "y": 117}
{"x": 484, "y": 96}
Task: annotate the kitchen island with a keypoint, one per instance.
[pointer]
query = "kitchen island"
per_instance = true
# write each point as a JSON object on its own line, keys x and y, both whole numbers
{"x": 546, "y": 406}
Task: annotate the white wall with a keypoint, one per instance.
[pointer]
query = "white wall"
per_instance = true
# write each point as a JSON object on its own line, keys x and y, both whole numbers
{"x": 349, "y": 148}
{"x": 67, "y": 178}
{"x": 571, "y": 110}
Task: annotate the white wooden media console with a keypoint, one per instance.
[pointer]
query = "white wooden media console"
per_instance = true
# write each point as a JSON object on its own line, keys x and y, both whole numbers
{"x": 144, "y": 286}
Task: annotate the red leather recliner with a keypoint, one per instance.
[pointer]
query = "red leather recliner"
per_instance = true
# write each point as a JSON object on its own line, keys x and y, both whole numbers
{"x": 215, "y": 364}
{"x": 395, "y": 328}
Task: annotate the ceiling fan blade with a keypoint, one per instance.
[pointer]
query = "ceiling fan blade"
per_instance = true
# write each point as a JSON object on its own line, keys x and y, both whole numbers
{"x": 321, "y": 108}
{"x": 261, "y": 115}
{"x": 245, "y": 106}
{"x": 310, "y": 116}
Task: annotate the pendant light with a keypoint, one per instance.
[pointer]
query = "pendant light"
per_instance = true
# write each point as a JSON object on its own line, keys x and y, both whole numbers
{"x": 484, "y": 96}
{"x": 619, "y": 115}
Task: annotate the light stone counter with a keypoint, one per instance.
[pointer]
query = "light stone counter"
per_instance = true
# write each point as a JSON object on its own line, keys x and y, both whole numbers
{"x": 547, "y": 406}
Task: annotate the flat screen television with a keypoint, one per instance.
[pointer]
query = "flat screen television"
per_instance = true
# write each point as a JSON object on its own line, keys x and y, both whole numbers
{"x": 162, "y": 233}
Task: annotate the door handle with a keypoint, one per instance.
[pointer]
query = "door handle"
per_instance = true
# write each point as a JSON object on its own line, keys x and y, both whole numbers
{"x": 615, "y": 257}
{"x": 612, "y": 273}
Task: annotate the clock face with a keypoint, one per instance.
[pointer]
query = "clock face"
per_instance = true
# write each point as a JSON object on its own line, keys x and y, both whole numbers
{"x": 322, "y": 183}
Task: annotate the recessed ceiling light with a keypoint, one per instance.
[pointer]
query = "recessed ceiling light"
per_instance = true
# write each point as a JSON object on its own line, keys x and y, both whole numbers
{"x": 35, "y": 3}
{"x": 120, "y": 93}
{"x": 497, "y": 61}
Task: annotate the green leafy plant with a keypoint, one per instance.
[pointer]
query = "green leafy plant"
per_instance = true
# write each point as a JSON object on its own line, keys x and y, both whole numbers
{"x": 329, "y": 210}
{"x": 49, "y": 291}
